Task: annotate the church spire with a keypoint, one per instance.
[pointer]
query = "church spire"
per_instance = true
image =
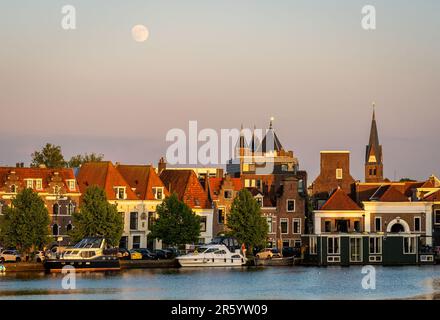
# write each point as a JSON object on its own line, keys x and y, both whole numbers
{"x": 373, "y": 154}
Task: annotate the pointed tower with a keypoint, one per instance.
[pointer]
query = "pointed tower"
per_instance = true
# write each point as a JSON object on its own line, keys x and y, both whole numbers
{"x": 373, "y": 154}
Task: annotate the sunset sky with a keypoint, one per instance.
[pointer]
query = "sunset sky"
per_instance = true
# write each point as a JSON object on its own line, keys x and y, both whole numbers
{"x": 307, "y": 63}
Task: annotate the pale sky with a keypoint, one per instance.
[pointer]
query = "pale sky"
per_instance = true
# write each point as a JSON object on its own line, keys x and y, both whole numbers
{"x": 307, "y": 63}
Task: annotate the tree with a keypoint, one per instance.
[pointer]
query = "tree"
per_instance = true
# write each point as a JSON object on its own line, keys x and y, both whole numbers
{"x": 25, "y": 224}
{"x": 407, "y": 180}
{"x": 97, "y": 218}
{"x": 177, "y": 224}
{"x": 78, "y": 160}
{"x": 245, "y": 220}
{"x": 50, "y": 156}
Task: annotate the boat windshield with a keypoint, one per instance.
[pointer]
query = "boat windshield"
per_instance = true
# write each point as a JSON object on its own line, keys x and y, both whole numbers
{"x": 89, "y": 243}
{"x": 209, "y": 250}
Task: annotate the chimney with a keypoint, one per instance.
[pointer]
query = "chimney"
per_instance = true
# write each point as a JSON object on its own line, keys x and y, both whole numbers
{"x": 17, "y": 165}
{"x": 22, "y": 165}
{"x": 162, "y": 165}
{"x": 219, "y": 173}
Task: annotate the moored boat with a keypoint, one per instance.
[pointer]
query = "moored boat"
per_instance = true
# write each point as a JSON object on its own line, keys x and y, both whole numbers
{"x": 281, "y": 261}
{"x": 86, "y": 255}
{"x": 214, "y": 255}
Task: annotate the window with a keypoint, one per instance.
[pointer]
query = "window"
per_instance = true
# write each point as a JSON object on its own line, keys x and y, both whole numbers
{"x": 356, "y": 249}
{"x": 30, "y": 184}
{"x": 375, "y": 245}
{"x": 328, "y": 226}
{"x": 313, "y": 245}
{"x": 300, "y": 186}
{"x": 437, "y": 216}
{"x": 409, "y": 245}
{"x": 56, "y": 189}
{"x": 286, "y": 243}
{"x": 378, "y": 224}
{"x": 136, "y": 242}
{"x": 158, "y": 193}
{"x": 221, "y": 215}
{"x": 284, "y": 167}
{"x": 417, "y": 224}
{"x": 339, "y": 173}
{"x": 284, "y": 225}
{"x": 56, "y": 208}
{"x": 269, "y": 223}
{"x": 259, "y": 200}
{"x": 228, "y": 194}
{"x": 70, "y": 209}
{"x": 55, "y": 230}
{"x": 39, "y": 184}
{"x": 151, "y": 219}
{"x": 296, "y": 226}
{"x": 133, "y": 220}
{"x": 290, "y": 205}
{"x": 202, "y": 224}
{"x": 119, "y": 192}
{"x": 333, "y": 245}
{"x": 69, "y": 227}
{"x": 357, "y": 226}
{"x": 14, "y": 188}
{"x": 71, "y": 184}
{"x": 1, "y": 208}
{"x": 249, "y": 183}
{"x": 123, "y": 217}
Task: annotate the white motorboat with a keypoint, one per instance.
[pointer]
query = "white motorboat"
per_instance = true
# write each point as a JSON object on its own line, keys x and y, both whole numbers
{"x": 213, "y": 255}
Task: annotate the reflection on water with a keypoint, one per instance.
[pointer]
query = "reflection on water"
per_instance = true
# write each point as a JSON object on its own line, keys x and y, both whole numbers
{"x": 227, "y": 283}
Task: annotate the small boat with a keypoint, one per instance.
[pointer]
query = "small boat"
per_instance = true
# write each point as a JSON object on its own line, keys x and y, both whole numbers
{"x": 281, "y": 261}
{"x": 86, "y": 255}
{"x": 213, "y": 255}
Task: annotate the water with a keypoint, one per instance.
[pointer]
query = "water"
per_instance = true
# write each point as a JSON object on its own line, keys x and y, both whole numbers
{"x": 227, "y": 283}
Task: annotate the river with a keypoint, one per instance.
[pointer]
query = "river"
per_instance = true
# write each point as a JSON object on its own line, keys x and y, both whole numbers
{"x": 227, "y": 283}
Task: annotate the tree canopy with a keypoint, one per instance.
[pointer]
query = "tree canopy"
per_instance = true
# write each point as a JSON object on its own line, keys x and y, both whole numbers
{"x": 97, "y": 217}
{"x": 50, "y": 156}
{"x": 78, "y": 160}
{"x": 176, "y": 224}
{"x": 245, "y": 221}
{"x": 25, "y": 225}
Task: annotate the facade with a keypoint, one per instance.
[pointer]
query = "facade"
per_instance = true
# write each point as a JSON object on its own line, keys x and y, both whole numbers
{"x": 57, "y": 187}
{"x": 388, "y": 228}
{"x": 133, "y": 189}
{"x": 334, "y": 174}
{"x": 188, "y": 188}
{"x": 222, "y": 192}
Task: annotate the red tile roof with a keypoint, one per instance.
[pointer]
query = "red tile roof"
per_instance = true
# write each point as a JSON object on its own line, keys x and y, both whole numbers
{"x": 105, "y": 175}
{"x": 339, "y": 200}
{"x": 393, "y": 195}
{"x": 142, "y": 179}
{"x": 45, "y": 174}
{"x": 187, "y": 187}
{"x": 215, "y": 185}
{"x": 435, "y": 196}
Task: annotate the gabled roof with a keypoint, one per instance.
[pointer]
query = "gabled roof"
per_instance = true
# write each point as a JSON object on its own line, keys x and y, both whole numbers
{"x": 142, "y": 179}
{"x": 432, "y": 182}
{"x": 340, "y": 201}
{"x": 270, "y": 141}
{"x": 215, "y": 185}
{"x": 45, "y": 174}
{"x": 432, "y": 196}
{"x": 393, "y": 195}
{"x": 104, "y": 175}
{"x": 187, "y": 187}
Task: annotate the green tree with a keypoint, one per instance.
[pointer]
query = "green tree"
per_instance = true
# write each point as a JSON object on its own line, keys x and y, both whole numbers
{"x": 97, "y": 217}
{"x": 246, "y": 222}
{"x": 25, "y": 225}
{"x": 78, "y": 160}
{"x": 176, "y": 224}
{"x": 50, "y": 156}
{"x": 407, "y": 180}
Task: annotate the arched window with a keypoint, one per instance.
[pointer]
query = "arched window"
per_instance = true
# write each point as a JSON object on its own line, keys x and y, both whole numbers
{"x": 70, "y": 208}
{"x": 69, "y": 227}
{"x": 55, "y": 229}
{"x": 56, "y": 208}
{"x": 397, "y": 227}
{"x": 14, "y": 188}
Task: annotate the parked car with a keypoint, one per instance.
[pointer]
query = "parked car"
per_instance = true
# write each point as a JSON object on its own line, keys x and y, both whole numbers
{"x": 147, "y": 254}
{"x": 39, "y": 256}
{"x": 135, "y": 254}
{"x": 10, "y": 256}
{"x": 123, "y": 254}
{"x": 268, "y": 253}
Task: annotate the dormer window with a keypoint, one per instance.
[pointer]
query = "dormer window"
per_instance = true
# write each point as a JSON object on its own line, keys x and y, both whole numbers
{"x": 259, "y": 200}
{"x": 14, "y": 188}
{"x": 71, "y": 185}
{"x": 120, "y": 192}
{"x": 158, "y": 193}
{"x": 30, "y": 184}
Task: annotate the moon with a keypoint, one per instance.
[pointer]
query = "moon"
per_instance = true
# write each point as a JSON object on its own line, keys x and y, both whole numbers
{"x": 140, "y": 33}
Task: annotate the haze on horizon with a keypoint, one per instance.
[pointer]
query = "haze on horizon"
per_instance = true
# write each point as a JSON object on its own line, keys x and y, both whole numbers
{"x": 223, "y": 63}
